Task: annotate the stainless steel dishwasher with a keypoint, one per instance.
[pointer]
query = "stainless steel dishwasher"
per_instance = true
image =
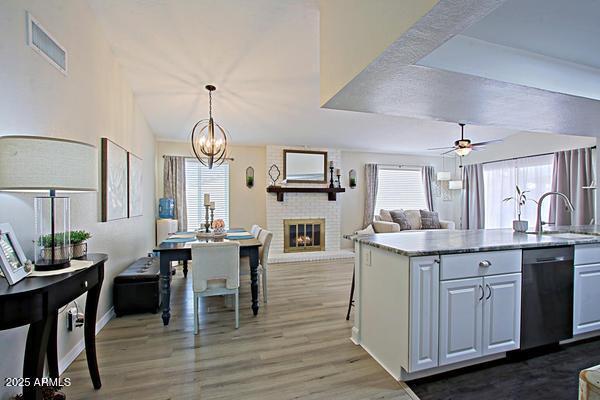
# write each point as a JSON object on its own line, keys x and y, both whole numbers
{"x": 546, "y": 296}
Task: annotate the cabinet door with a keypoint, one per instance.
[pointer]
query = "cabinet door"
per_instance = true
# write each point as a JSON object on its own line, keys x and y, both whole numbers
{"x": 586, "y": 299}
{"x": 461, "y": 316}
{"x": 424, "y": 291}
{"x": 501, "y": 313}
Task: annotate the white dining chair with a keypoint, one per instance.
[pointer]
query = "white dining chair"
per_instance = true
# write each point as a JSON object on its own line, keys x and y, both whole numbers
{"x": 255, "y": 230}
{"x": 265, "y": 238}
{"x": 216, "y": 272}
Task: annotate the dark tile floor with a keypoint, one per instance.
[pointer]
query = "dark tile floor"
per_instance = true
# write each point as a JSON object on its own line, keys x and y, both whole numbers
{"x": 554, "y": 376}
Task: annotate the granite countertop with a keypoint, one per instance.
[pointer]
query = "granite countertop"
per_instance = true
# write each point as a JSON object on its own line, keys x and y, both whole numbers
{"x": 421, "y": 243}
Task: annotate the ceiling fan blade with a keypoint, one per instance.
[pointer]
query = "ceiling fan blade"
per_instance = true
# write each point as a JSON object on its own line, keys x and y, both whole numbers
{"x": 442, "y": 148}
{"x": 488, "y": 142}
{"x": 449, "y": 151}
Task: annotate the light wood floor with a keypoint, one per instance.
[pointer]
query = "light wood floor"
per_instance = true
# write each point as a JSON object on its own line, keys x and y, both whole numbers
{"x": 298, "y": 347}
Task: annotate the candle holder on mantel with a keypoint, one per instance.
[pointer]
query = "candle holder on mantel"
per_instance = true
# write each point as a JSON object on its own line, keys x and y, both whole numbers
{"x": 331, "y": 185}
{"x": 339, "y": 182}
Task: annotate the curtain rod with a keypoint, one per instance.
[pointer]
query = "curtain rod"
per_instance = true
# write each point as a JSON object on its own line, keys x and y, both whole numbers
{"x": 531, "y": 156}
{"x": 401, "y": 165}
{"x": 226, "y": 158}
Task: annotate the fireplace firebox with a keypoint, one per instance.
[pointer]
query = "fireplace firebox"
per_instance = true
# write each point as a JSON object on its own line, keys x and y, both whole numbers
{"x": 303, "y": 235}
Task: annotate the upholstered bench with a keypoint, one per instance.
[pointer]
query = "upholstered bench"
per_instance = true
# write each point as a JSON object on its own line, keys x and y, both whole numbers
{"x": 589, "y": 384}
{"x": 137, "y": 289}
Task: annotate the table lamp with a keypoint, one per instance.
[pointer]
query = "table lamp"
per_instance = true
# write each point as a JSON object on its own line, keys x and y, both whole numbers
{"x": 40, "y": 164}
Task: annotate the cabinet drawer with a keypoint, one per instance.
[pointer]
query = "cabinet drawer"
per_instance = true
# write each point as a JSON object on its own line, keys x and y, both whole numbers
{"x": 587, "y": 254}
{"x": 457, "y": 266}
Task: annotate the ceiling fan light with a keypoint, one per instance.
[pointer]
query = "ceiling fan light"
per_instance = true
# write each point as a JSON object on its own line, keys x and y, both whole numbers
{"x": 443, "y": 176}
{"x": 463, "y": 151}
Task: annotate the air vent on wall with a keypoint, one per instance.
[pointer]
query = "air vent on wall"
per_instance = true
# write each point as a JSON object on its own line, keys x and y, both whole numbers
{"x": 40, "y": 40}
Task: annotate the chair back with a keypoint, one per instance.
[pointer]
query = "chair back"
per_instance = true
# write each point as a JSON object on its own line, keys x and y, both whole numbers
{"x": 255, "y": 230}
{"x": 215, "y": 260}
{"x": 265, "y": 237}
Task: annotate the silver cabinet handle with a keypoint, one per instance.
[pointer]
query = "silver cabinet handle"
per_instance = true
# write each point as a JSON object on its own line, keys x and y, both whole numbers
{"x": 437, "y": 261}
{"x": 482, "y": 293}
{"x": 485, "y": 264}
{"x": 490, "y": 291}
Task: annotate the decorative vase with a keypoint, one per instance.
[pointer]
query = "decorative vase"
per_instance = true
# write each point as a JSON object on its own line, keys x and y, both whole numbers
{"x": 520, "y": 226}
{"x": 219, "y": 231}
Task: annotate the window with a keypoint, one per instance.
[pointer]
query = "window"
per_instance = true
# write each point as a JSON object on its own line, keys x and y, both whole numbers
{"x": 199, "y": 180}
{"x": 400, "y": 189}
{"x": 500, "y": 178}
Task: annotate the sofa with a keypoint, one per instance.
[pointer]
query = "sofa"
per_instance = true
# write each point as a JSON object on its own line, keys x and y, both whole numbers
{"x": 384, "y": 222}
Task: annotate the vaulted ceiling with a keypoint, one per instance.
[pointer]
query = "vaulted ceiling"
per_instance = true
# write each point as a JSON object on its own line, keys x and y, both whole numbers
{"x": 263, "y": 56}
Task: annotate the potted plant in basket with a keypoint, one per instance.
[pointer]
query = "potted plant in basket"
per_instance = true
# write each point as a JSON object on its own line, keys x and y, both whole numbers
{"x": 77, "y": 247}
{"x": 78, "y": 241}
{"x": 520, "y": 198}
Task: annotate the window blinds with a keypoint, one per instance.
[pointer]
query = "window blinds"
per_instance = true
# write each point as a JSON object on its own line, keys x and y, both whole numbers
{"x": 200, "y": 180}
{"x": 400, "y": 189}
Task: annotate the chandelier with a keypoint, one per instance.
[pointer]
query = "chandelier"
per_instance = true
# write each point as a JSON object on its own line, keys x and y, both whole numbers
{"x": 209, "y": 140}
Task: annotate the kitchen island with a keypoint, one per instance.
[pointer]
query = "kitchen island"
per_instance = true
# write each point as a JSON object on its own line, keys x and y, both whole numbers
{"x": 428, "y": 302}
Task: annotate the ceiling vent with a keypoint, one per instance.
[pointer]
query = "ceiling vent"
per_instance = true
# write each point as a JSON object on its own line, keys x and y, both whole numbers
{"x": 44, "y": 44}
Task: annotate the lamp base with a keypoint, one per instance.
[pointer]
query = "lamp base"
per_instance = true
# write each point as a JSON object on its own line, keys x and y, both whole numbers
{"x": 47, "y": 265}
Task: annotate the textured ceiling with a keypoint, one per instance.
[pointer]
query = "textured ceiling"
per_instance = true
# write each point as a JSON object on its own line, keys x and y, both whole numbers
{"x": 263, "y": 56}
{"x": 393, "y": 85}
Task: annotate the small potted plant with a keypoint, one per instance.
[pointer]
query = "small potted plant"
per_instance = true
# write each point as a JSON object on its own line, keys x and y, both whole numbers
{"x": 521, "y": 199}
{"x": 218, "y": 226}
{"x": 62, "y": 250}
{"x": 78, "y": 241}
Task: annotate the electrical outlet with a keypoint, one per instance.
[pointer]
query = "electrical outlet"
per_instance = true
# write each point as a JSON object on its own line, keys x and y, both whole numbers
{"x": 74, "y": 319}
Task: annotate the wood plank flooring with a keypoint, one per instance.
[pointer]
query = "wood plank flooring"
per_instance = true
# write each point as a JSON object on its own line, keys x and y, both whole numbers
{"x": 298, "y": 347}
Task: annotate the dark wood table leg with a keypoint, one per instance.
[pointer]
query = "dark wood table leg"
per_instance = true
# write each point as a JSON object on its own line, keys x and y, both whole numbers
{"x": 89, "y": 329}
{"x": 254, "y": 278}
{"x": 35, "y": 355}
{"x": 185, "y": 268}
{"x": 165, "y": 288}
{"x": 52, "y": 350}
{"x": 351, "y": 301}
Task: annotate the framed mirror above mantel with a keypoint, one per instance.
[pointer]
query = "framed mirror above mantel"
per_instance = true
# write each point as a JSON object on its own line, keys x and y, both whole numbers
{"x": 304, "y": 166}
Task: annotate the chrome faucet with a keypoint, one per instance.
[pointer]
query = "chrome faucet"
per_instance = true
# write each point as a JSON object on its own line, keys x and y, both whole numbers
{"x": 539, "y": 223}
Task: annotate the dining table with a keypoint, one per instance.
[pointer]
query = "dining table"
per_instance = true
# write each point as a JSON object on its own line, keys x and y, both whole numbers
{"x": 178, "y": 247}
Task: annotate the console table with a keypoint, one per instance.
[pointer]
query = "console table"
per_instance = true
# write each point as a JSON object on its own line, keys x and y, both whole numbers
{"x": 36, "y": 301}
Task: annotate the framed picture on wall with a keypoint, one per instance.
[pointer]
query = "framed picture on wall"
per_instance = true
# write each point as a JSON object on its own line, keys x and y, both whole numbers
{"x": 115, "y": 193}
{"x": 12, "y": 259}
{"x": 135, "y": 168}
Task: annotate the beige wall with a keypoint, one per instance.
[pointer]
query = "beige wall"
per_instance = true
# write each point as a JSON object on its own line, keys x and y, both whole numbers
{"x": 353, "y": 200}
{"x": 354, "y": 32}
{"x": 246, "y": 206}
{"x": 527, "y": 144}
{"x": 93, "y": 101}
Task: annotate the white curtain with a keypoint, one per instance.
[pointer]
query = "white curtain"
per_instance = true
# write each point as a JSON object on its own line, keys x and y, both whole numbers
{"x": 532, "y": 173}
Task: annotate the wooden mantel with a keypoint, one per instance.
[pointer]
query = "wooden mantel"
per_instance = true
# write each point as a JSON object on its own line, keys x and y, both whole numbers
{"x": 280, "y": 190}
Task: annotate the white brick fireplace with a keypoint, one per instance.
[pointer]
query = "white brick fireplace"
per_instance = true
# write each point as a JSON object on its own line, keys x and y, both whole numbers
{"x": 303, "y": 206}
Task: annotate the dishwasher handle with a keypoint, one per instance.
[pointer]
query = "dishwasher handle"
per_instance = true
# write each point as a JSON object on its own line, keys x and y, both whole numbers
{"x": 549, "y": 259}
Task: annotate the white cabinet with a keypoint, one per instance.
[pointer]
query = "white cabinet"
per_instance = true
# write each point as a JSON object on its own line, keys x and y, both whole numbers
{"x": 586, "y": 298}
{"x": 424, "y": 290}
{"x": 461, "y": 313}
{"x": 479, "y": 316}
{"x": 501, "y": 313}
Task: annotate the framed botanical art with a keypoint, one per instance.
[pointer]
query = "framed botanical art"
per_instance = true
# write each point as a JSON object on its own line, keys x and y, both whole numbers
{"x": 13, "y": 263}
{"x": 135, "y": 179}
{"x": 115, "y": 201}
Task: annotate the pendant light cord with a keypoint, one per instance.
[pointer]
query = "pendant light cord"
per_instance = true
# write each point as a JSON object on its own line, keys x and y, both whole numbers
{"x": 210, "y": 104}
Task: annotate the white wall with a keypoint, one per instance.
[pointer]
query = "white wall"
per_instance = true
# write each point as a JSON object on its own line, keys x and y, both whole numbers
{"x": 353, "y": 200}
{"x": 93, "y": 101}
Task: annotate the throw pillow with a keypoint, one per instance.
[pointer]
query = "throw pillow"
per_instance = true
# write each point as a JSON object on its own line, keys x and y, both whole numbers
{"x": 399, "y": 217}
{"x": 385, "y": 215}
{"x": 430, "y": 220}
{"x": 367, "y": 231}
{"x": 414, "y": 218}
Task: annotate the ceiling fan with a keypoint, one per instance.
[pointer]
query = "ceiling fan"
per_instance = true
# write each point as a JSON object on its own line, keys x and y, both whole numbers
{"x": 463, "y": 147}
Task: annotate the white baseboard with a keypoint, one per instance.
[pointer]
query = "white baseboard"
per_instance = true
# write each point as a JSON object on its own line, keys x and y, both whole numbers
{"x": 64, "y": 362}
